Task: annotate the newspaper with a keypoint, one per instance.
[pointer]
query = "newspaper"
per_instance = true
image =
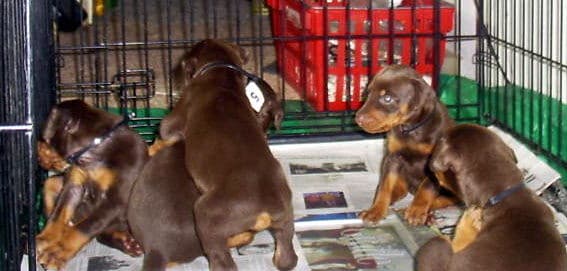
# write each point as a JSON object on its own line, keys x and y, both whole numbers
{"x": 340, "y": 179}
{"x": 537, "y": 174}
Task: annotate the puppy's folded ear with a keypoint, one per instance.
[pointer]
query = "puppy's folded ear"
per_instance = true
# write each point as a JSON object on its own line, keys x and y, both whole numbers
{"x": 50, "y": 125}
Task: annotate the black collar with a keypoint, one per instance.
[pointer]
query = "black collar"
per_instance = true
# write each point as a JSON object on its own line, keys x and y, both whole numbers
{"x": 219, "y": 64}
{"x": 411, "y": 128}
{"x": 73, "y": 158}
{"x": 504, "y": 194}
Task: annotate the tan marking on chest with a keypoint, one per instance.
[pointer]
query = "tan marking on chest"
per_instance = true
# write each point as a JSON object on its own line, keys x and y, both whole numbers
{"x": 395, "y": 145}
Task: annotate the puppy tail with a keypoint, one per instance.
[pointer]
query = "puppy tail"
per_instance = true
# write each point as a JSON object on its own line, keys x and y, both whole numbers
{"x": 435, "y": 255}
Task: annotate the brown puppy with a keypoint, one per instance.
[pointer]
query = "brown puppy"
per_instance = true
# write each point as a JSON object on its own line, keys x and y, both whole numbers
{"x": 243, "y": 187}
{"x": 52, "y": 187}
{"x": 161, "y": 216}
{"x": 269, "y": 113}
{"x": 507, "y": 226}
{"x": 401, "y": 103}
{"x": 105, "y": 158}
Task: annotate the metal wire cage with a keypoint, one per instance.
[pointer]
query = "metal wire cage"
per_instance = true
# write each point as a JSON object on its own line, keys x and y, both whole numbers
{"x": 121, "y": 60}
{"x": 491, "y": 61}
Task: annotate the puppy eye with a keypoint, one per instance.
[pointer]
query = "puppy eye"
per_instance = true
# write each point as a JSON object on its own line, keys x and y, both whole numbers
{"x": 386, "y": 99}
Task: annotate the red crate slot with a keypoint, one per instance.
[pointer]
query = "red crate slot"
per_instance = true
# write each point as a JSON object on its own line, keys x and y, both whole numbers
{"x": 304, "y": 46}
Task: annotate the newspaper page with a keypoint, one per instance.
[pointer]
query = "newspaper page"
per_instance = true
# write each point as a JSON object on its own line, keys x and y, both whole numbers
{"x": 327, "y": 178}
{"x": 537, "y": 174}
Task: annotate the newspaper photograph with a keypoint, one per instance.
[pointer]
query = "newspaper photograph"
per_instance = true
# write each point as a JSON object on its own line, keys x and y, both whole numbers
{"x": 332, "y": 193}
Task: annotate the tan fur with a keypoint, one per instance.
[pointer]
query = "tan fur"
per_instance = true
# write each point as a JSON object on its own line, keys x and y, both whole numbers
{"x": 467, "y": 229}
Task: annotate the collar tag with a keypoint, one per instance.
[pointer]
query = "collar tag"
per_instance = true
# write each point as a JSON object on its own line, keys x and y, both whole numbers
{"x": 255, "y": 96}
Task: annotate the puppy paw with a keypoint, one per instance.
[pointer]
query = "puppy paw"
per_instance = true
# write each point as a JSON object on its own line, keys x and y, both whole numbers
{"x": 130, "y": 246}
{"x": 372, "y": 215}
{"x": 417, "y": 215}
{"x": 57, "y": 244}
{"x": 49, "y": 159}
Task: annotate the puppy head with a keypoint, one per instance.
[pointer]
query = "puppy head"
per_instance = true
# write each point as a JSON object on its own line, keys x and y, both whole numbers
{"x": 203, "y": 52}
{"x": 396, "y": 95}
{"x": 476, "y": 163}
{"x": 72, "y": 125}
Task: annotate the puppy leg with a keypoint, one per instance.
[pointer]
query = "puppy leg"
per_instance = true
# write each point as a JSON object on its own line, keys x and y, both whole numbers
{"x": 418, "y": 211}
{"x": 435, "y": 255}
{"x": 383, "y": 198}
{"x": 284, "y": 256}
{"x": 52, "y": 186}
{"x": 210, "y": 223}
{"x": 468, "y": 228}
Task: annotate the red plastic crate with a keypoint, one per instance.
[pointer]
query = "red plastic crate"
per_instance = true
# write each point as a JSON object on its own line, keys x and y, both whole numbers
{"x": 300, "y": 49}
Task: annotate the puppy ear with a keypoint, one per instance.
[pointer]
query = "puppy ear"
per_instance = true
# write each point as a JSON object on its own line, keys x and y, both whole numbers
{"x": 50, "y": 125}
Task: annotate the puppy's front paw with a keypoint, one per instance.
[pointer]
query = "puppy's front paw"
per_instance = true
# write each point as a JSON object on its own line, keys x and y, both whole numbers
{"x": 417, "y": 215}
{"x": 49, "y": 159}
{"x": 373, "y": 215}
{"x": 57, "y": 244}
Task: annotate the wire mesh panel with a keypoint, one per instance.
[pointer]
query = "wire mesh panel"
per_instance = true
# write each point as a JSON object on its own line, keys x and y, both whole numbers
{"x": 123, "y": 55}
{"x": 28, "y": 91}
{"x": 525, "y": 75}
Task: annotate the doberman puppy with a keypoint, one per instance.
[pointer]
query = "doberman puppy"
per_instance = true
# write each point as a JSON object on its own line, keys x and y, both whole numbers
{"x": 161, "y": 216}
{"x": 267, "y": 104}
{"x": 52, "y": 187}
{"x": 90, "y": 199}
{"x": 160, "y": 210}
{"x": 402, "y": 104}
{"x": 507, "y": 227}
{"x": 243, "y": 187}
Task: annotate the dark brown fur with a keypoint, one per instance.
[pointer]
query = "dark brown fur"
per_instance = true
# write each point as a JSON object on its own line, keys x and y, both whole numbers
{"x": 404, "y": 167}
{"x": 161, "y": 215}
{"x": 517, "y": 233}
{"x": 243, "y": 187}
{"x": 93, "y": 193}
